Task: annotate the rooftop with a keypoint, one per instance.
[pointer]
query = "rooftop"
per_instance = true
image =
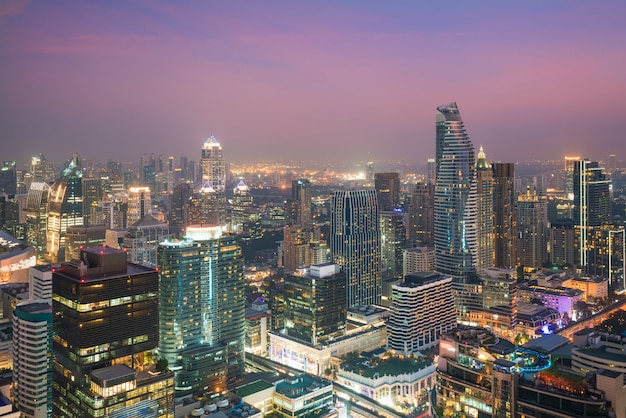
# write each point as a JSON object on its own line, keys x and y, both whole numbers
{"x": 392, "y": 366}
{"x": 252, "y": 388}
{"x": 297, "y": 386}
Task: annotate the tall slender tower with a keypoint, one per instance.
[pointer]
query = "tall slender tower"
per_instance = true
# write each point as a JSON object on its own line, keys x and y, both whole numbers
{"x": 532, "y": 210}
{"x": 65, "y": 207}
{"x": 355, "y": 244}
{"x": 387, "y": 187}
{"x": 421, "y": 214}
{"x": 212, "y": 162}
{"x": 591, "y": 210}
{"x": 505, "y": 215}
{"x": 214, "y": 179}
{"x": 455, "y": 196}
{"x": 484, "y": 188}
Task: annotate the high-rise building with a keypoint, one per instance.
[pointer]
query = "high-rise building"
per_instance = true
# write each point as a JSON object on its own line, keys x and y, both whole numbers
{"x": 139, "y": 204}
{"x": 36, "y": 213}
{"x": 212, "y": 163}
{"x": 8, "y": 178}
{"x": 505, "y": 215}
{"x": 65, "y": 207}
{"x": 92, "y": 194}
{"x": 421, "y": 216}
{"x": 592, "y": 210}
{"x": 41, "y": 170}
{"x": 484, "y": 192}
{"x": 77, "y": 237}
{"x": 242, "y": 208}
{"x": 422, "y": 310}
{"x": 298, "y": 208}
{"x": 180, "y": 201}
{"x": 455, "y": 229}
{"x": 106, "y": 324}
{"x": 142, "y": 240}
{"x": 431, "y": 170}
{"x": 532, "y": 212}
{"x": 392, "y": 242}
{"x": 562, "y": 247}
{"x": 206, "y": 207}
{"x": 568, "y": 173}
{"x": 369, "y": 173}
{"x": 296, "y": 248}
{"x": 387, "y": 187}
{"x": 355, "y": 244}
{"x": 315, "y": 303}
{"x": 202, "y": 307}
{"x": 32, "y": 359}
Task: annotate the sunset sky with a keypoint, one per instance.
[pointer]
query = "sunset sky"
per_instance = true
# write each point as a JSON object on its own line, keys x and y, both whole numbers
{"x": 319, "y": 80}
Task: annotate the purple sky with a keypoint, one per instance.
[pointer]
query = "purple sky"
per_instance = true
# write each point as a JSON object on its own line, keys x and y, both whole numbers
{"x": 336, "y": 81}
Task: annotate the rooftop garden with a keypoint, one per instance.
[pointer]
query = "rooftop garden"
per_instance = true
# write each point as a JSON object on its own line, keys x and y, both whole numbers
{"x": 385, "y": 366}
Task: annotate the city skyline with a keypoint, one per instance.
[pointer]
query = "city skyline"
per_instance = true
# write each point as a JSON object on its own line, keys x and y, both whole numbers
{"x": 115, "y": 80}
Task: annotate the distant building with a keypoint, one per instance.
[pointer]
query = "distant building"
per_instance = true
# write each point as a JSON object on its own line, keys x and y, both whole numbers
{"x": 258, "y": 322}
{"x": 16, "y": 258}
{"x": 421, "y": 214}
{"x": 392, "y": 242}
{"x": 139, "y": 204}
{"x": 142, "y": 240}
{"x": 418, "y": 259}
{"x": 387, "y": 187}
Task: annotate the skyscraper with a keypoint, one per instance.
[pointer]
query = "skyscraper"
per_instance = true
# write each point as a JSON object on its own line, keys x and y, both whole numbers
{"x": 455, "y": 229}
{"x": 355, "y": 244}
{"x": 484, "y": 189}
{"x": 505, "y": 215}
{"x": 37, "y": 217}
{"x": 421, "y": 214}
{"x": 298, "y": 210}
{"x": 32, "y": 359}
{"x": 591, "y": 211}
{"x": 387, "y": 187}
{"x": 212, "y": 163}
{"x": 106, "y": 314}
{"x": 532, "y": 210}
{"x": 241, "y": 208}
{"x": 139, "y": 204}
{"x": 202, "y": 309}
{"x": 65, "y": 207}
{"x": 392, "y": 242}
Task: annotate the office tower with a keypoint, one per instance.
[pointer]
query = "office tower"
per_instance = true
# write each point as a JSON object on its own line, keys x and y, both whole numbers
{"x": 421, "y": 216}
{"x": 242, "y": 208}
{"x": 139, "y": 204}
{"x": 202, "y": 309}
{"x": 32, "y": 359}
{"x": 8, "y": 178}
{"x": 92, "y": 194}
{"x": 110, "y": 212}
{"x": 296, "y": 248}
{"x": 611, "y": 163}
{"x": 319, "y": 252}
{"x": 431, "y": 167}
{"x": 505, "y": 215}
{"x": 315, "y": 303}
{"x": 592, "y": 210}
{"x": 178, "y": 215}
{"x": 455, "y": 229}
{"x": 422, "y": 310}
{"x": 41, "y": 170}
{"x": 36, "y": 213}
{"x": 65, "y": 207}
{"x": 142, "y": 240}
{"x": 532, "y": 212}
{"x": 355, "y": 244}
{"x": 207, "y": 207}
{"x": 392, "y": 242}
{"x": 562, "y": 246}
{"x": 500, "y": 300}
{"x": 11, "y": 215}
{"x": 106, "y": 326}
{"x": 387, "y": 187}
{"x": 369, "y": 173}
{"x": 484, "y": 193}
{"x": 568, "y": 173}
{"x": 298, "y": 208}
{"x": 78, "y": 237}
{"x": 212, "y": 164}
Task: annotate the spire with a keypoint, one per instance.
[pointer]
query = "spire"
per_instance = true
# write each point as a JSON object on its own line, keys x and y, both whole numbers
{"x": 211, "y": 142}
{"x": 241, "y": 186}
{"x": 481, "y": 162}
{"x": 207, "y": 187}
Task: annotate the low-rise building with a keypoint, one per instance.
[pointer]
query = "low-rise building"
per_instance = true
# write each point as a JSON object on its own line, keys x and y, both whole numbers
{"x": 561, "y": 299}
{"x": 304, "y": 395}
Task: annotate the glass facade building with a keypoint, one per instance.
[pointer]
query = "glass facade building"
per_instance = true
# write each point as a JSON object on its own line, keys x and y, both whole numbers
{"x": 455, "y": 196}
{"x": 355, "y": 244}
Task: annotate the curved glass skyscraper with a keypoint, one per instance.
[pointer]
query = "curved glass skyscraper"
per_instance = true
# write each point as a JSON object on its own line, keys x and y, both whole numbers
{"x": 455, "y": 228}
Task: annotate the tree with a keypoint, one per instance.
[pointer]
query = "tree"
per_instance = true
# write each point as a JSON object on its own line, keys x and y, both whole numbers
{"x": 161, "y": 365}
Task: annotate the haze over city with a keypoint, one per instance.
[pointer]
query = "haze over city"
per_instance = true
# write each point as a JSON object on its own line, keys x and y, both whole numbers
{"x": 348, "y": 81}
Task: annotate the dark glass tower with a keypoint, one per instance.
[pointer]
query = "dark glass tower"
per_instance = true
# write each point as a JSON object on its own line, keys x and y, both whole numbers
{"x": 455, "y": 196}
{"x": 387, "y": 187}
{"x": 355, "y": 244}
{"x": 105, "y": 322}
{"x": 505, "y": 215}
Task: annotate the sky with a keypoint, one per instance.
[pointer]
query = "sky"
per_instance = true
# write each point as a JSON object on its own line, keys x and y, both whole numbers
{"x": 336, "y": 81}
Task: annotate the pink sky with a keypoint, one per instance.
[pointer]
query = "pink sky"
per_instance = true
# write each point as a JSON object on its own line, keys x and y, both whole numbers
{"x": 347, "y": 81}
